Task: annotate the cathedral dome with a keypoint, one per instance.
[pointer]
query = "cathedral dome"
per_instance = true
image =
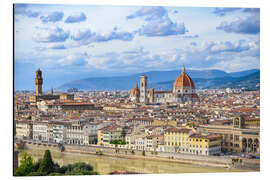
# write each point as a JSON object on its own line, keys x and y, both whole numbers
{"x": 183, "y": 81}
{"x": 135, "y": 91}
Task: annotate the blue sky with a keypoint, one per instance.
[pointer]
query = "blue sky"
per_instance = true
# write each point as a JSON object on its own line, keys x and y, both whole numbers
{"x": 69, "y": 42}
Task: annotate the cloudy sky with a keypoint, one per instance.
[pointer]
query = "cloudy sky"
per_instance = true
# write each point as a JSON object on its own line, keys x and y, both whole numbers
{"x": 69, "y": 42}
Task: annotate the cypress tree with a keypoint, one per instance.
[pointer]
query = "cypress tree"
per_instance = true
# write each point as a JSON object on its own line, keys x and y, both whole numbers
{"x": 47, "y": 165}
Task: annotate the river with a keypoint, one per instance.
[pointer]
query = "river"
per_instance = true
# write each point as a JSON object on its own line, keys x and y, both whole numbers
{"x": 105, "y": 164}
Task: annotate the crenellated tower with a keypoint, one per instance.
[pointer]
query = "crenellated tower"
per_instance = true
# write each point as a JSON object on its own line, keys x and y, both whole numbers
{"x": 38, "y": 82}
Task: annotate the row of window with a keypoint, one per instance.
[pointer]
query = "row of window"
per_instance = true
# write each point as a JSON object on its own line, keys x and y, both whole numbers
{"x": 179, "y": 144}
{"x": 183, "y": 139}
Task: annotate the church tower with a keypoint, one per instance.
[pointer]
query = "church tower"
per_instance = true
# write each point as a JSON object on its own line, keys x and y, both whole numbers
{"x": 38, "y": 82}
{"x": 143, "y": 89}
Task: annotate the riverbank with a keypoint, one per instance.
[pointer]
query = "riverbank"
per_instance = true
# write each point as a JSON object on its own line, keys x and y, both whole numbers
{"x": 219, "y": 164}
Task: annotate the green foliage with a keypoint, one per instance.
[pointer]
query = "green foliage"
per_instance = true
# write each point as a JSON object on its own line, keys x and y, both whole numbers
{"x": 82, "y": 172}
{"x": 143, "y": 153}
{"x": 132, "y": 152}
{"x": 37, "y": 174}
{"x": 80, "y": 168}
{"x": 117, "y": 141}
{"x": 56, "y": 174}
{"x": 37, "y": 165}
{"x": 26, "y": 166}
{"x": 47, "y": 165}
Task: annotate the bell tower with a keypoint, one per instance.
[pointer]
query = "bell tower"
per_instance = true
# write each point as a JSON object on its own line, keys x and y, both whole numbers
{"x": 143, "y": 89}
{"x": 38, "y": 82}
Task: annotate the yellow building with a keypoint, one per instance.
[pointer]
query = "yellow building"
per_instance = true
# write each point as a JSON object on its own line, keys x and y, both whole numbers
{"x": 204, "y": 144}
{"x": 189, "y": 142}
{"x": 176, "y": 140}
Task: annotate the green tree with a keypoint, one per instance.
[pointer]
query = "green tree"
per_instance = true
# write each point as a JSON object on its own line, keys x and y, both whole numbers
{"x": 47, "y": 165}
{"x": 81, "y": 168}
{"x": 37, "y": 165}
{"x": 143, "y": 153}
{"x": 56, "y": 174}
{"x": 37, "y": 174}
{"x": 26, "y": 166}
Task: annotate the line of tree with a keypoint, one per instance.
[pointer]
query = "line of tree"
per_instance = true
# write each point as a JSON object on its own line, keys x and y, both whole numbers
{"x": 117, "y": 141}
{"x": 46, "y": 167}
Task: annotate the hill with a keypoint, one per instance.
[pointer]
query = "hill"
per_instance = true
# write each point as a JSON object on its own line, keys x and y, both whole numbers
{"x": 159, "y": 80}
{"x": 251, "y": 81}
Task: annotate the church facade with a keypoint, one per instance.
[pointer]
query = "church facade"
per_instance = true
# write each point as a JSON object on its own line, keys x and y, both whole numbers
{"x": 183, "y": 91}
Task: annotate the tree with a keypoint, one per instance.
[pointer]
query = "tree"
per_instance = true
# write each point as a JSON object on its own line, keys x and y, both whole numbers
{"x": 37, "y": 174}
{"x": 26, "y": 166}
{"x": 37, "y": 165}
{"x": 143, "y": 153}
{"x": 81, "y": 168}
{"x": 47, "y": 165}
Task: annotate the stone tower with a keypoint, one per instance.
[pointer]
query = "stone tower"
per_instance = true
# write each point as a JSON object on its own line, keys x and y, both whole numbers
{"x": 38, "y": 82}
{"x": 151, "y": 95}
{"x": 143, "y": 89}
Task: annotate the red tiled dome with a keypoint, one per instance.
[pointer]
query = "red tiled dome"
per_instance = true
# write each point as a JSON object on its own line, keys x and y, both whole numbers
{"x": 135, "y": 91}
{"x": 183, "y": 81}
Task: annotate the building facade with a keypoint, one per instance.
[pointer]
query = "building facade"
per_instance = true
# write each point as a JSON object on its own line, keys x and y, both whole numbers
{"x": 238, "y": 137}
{"x": 24, "y": 129}
{"x": 188, "y": 141}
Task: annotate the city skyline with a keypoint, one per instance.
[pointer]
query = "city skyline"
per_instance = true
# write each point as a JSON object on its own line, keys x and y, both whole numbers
{"x": 71, "y": 42}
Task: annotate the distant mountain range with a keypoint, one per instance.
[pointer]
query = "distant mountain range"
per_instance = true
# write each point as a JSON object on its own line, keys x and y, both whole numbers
{"x": 163, "y": 80}
{"x": 251, "y": 82}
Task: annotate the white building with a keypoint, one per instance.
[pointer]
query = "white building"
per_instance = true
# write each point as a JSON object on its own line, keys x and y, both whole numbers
{"x": 40, "y": 130}
{"x": 75, "y": 132}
